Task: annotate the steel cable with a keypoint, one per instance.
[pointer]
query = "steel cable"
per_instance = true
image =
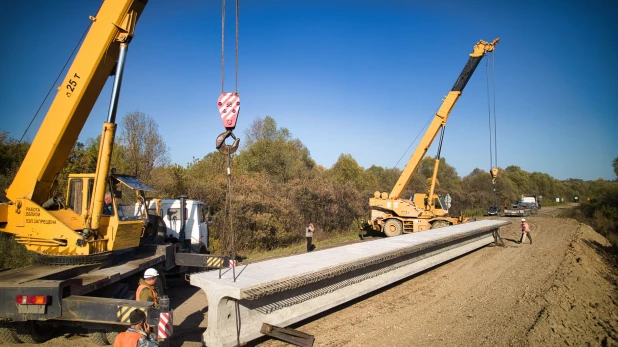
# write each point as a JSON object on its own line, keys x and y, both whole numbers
{"x": 56, "y": 80}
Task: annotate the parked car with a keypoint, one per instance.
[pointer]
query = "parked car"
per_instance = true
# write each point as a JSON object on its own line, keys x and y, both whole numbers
{"x": 494, "y": 211}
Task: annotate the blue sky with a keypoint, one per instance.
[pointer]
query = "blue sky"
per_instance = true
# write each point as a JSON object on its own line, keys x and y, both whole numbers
{"x": 348, "y": 77}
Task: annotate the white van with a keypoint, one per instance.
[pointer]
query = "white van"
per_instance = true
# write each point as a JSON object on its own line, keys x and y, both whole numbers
{"x": 196, "y": 218}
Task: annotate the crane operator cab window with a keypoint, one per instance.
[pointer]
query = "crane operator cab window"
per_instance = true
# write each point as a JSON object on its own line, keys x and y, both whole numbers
{"x": 440, "y": 203}
{"x": 436, "y": 203}
{"x": 78, "y": 198}
{"x": 128, "y": 194}
{"x": 125, "y": 193}
{"x": 108, "y": 203}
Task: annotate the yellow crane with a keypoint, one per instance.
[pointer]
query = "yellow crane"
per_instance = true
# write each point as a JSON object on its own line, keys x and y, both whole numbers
{"x": 33, "y": 214}
{"x": 392, "y": 215}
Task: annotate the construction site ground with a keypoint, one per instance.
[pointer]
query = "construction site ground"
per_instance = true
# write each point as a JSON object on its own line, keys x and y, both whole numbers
{"x": 559, "y": 291}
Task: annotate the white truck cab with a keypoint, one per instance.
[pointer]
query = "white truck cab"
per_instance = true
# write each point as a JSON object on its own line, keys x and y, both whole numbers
{"x": 196, "y": 221}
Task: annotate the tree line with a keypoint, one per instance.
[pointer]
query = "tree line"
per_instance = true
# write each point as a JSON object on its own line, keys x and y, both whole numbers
{"x": 276, "y": 187}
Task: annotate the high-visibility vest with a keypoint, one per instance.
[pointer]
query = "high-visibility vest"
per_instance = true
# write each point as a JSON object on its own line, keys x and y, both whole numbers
{"x": 127, "y": 339}
{"x": 139, "y": 290}
{"x": 525, "y": 227}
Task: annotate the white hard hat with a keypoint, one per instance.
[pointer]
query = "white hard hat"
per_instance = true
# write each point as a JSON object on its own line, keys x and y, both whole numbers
{"x": 523, "y": 219}
{"x": 150, "y": 273}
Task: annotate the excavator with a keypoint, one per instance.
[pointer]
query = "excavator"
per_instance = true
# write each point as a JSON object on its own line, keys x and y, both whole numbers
{"x": 392, "y": 215}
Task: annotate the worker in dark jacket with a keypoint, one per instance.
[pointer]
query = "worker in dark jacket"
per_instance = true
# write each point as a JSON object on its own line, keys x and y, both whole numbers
{"x": 136, "y": 335}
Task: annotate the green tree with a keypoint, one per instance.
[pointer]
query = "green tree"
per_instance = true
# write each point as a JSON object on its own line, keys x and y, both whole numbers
{"x": 207, "y": 178}
{"x": 615, "y": 165}
{"x": 274, "y": 152}
{"x": 448, "y": 177}
{"x": 169, "y": 181}
{"x": 479, "y": 190}
{"x": 380, "y": 179}
{"x": 346, "y": 169}
{"x": 520, "y": 178}
{"x": 12, "y": 154}
{"x": 80, "y": 160}
{"x": 144, "y": 147}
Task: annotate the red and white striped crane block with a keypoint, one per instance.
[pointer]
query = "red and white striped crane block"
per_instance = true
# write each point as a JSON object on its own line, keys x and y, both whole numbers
{"x": 229, "y": 107}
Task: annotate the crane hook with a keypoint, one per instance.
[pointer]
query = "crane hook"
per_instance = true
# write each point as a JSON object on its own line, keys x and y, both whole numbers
{"x": 225, "y": 148}
{"x": 494, "y": 174}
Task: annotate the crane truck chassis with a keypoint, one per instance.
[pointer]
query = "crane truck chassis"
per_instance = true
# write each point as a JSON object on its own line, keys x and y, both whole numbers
{"x": 89, "y": 256}
{"x": 96, "y": 296}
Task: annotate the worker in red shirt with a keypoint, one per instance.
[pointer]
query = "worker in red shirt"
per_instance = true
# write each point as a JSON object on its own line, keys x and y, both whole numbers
{"x": 525, "y": 231}
{"x": 136, "y": 335}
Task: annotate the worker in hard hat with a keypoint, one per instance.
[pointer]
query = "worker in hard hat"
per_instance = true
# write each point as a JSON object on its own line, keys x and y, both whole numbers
{"x": 137, "y": 335}
{"x": 150, "y": 287}
{"x": 525, "y": 231}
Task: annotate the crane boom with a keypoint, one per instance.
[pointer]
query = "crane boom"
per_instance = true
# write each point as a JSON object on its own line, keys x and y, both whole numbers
{"x": 93, "y": 64}
{"x": 441, "y": 116}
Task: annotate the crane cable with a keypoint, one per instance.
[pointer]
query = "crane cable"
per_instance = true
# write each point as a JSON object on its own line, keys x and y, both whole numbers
{"x": 493, "y": 134}
{"x": 53, "y": 86}
{"x": 228, "y": 194}
{"x": 228, "y": 202}
{"x": 421, "y": 132}
{"x": 223, "y": 46}
{"x": 56, "y": 80}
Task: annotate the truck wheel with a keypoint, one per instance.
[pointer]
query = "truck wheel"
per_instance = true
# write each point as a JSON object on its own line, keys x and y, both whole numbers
{"x": 111, "y": 336}
{"x": 392, "y": 227}
{"x": 98, "y": 337}
{"x": 33, "y": 332}
{"x": 7, "y": 335}
{"x": 439, "y": 224}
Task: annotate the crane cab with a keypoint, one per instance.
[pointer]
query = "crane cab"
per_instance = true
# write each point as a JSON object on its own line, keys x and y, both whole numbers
{"x": 124, "y": 212}
{"x": 436, "y": 206}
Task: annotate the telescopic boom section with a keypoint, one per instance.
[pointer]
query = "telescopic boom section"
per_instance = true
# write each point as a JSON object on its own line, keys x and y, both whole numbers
{"x": 93, "y": 64}
{"x": 441, "y": 116}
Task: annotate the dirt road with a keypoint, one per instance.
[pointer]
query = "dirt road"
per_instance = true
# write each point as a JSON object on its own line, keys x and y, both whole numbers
{"x": 559, "y": 291}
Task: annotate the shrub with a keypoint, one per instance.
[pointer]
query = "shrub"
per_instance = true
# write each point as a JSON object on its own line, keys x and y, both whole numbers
{"x": 13, "y": 255}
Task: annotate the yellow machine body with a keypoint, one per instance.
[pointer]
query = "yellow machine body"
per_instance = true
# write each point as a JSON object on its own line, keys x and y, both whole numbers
{"x": 393, "y": 215}
{"x": 60, "y": 230}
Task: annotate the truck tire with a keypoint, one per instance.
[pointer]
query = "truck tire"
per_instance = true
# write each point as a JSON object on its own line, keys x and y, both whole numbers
{"x": 439, "y": 224}
{"x": 111, "y": 336}
{"x": 33, "y": 332}
{"x": 392, "y": 227}
{"x": 98, "y": 337}
{"x": 97, "y": 258}
{"x": 7, "y": 335}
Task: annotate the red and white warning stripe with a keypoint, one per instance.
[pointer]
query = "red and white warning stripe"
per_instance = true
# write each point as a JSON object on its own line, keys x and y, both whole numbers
{"x": 166, "y": 324}
{"x": 229, "y": 106}
{"x": 233, "y": 263}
